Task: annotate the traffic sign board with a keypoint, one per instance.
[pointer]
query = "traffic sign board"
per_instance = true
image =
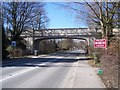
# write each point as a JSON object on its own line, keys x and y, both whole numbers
{"x": 100, "y": 43}
{"x": 13, "y": 43}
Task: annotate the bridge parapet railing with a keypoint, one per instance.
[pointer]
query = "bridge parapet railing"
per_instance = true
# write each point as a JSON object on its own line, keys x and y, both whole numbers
{"x": 54, "y": 32}
{"x": 62, "y": 34}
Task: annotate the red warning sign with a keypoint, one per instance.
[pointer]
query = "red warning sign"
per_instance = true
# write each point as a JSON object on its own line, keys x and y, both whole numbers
{"x": 100, "y": 43}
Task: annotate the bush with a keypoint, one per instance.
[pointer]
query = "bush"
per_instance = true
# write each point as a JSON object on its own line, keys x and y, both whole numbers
{"x": 96, "y": 57}
{"x": 5, "y": 54}
{"x": 15, "y": 51}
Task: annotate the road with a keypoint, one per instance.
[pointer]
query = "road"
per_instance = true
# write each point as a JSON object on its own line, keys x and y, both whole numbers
{"x": 58, "y": 70}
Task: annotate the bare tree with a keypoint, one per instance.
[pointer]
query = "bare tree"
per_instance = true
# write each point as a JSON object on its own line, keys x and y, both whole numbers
{"x": 96, "y": 13}
{"x": 40, "y": 20}
{"x": 19, "y": 16}
{"x": 105, "y": 13}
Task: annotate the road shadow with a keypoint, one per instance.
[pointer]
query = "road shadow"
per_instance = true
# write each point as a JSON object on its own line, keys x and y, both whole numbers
{"x": 37, "y": 62}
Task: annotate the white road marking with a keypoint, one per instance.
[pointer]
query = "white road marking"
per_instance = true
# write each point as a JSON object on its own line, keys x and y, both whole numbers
{"x": 34, "y": 56}
{"x": 18, "y": 73}
{"x": 74, "y": 73}
{"x": 28, "y": 69}
{"x": 32, "y": 68}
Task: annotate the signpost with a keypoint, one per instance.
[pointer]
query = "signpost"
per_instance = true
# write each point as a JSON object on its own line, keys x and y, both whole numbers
{"x": 13, "y": 44}
{"x": 100, "y": 43}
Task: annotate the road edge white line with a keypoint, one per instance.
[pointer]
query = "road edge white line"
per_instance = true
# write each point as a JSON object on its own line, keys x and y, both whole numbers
{"x": 29, "y": 69}
{"x": 73, "y": 78}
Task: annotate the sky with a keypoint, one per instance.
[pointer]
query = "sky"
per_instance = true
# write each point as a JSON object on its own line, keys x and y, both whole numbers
{"x": 61, "y": 18}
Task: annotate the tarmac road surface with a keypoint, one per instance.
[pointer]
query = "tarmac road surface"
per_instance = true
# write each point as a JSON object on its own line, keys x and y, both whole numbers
{"x": 58, "y": 70}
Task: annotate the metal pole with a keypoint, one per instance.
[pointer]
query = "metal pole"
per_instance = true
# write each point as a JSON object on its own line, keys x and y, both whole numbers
{"x": 89, "y": 46}
{"x": 61, "y": 44}
{"x": 33, "y": 42}
{"x": 13, "y": 52}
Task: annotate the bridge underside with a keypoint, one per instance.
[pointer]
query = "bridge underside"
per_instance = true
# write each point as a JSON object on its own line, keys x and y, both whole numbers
{"x": 38, "y": 40}
{"x": 60, "y": 37}
{"x": 35, "y": 40}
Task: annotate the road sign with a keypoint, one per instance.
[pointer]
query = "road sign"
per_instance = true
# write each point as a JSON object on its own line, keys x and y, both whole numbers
{"x": 100, "y": 43}
{"x": 13, "y": 43}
